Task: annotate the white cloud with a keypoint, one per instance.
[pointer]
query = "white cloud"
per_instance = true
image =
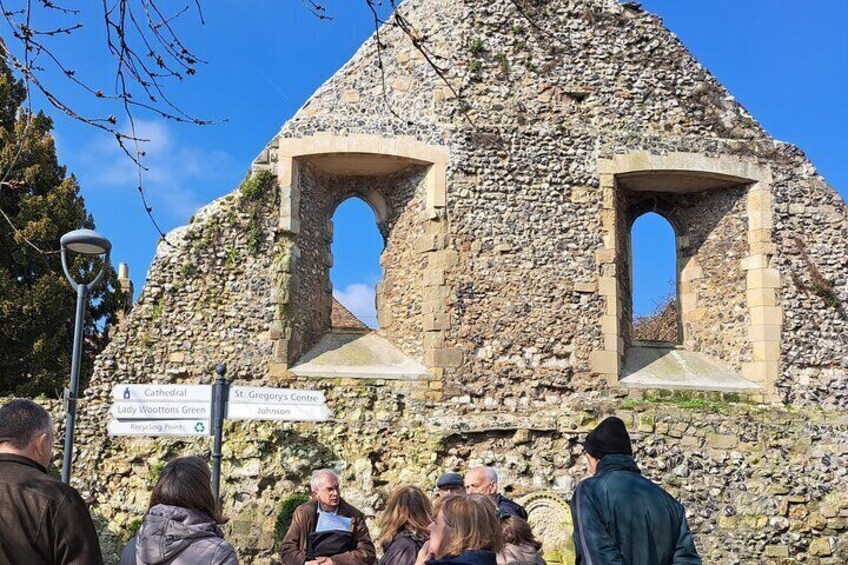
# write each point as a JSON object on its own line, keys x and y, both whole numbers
{"x": 360, "y": 300}
{"x": 175, "y": 176}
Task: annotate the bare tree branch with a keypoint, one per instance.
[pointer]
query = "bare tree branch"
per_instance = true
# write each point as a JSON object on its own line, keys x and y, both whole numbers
{"x": 142, "y": 39}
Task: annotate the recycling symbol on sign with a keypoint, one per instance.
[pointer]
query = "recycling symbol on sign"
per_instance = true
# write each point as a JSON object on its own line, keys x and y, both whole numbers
{"x": 199, "y": 427}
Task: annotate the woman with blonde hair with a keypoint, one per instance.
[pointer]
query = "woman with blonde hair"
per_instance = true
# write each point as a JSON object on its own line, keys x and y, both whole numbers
{"x": 520, "y": 546}
{"x": 466, "y": 531}
{"x": 403, "y": 525}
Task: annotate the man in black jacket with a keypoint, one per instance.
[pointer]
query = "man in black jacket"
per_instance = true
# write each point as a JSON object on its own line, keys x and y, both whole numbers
{"x": 619, "y": 516}
{"x": 42, "y": 521}
{"x": 484, "y": 480}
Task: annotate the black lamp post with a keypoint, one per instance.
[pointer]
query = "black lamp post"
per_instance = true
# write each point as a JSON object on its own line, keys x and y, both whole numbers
{"x": 86, "y": 242}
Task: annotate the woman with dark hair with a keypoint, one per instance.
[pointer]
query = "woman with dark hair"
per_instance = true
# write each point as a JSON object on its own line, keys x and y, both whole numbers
{"x": 404, "y": 525}
{"x": 520, "y": 546}
{"x": 181, "y": 525}
{"x": 466, "y": 531}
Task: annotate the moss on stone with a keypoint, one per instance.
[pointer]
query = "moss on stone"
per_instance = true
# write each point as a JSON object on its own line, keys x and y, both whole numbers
{"x": 284, "y": 516}
{"x": 257, "y": 186}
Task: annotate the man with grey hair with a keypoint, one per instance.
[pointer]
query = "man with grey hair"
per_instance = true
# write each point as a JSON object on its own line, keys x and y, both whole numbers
{"x": 327, "y": 530}
{"x": 41, "y": 519}
{"x": 484, "y": 480}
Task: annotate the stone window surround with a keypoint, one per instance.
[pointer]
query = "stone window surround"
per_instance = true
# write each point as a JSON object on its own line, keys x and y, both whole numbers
{"x": 433, "y": 243}
{"x": 763, "y": 280}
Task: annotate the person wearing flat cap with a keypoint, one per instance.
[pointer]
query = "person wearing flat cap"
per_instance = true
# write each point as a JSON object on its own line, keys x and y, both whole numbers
{"x": 620, "y": 516}
{"x": 450, "y": 484}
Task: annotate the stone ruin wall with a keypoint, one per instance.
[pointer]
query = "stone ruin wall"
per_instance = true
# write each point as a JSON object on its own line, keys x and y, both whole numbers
{"x": 525, "y": 219}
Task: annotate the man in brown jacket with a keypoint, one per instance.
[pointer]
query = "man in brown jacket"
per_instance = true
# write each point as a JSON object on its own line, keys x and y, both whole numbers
{"x": 42, "y": 521}
{"x": 328, "y": 508}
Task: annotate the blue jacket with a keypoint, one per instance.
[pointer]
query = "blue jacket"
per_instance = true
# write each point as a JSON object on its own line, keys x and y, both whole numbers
{"x": 622, "y": 518}
{"x": 471, "y": 557}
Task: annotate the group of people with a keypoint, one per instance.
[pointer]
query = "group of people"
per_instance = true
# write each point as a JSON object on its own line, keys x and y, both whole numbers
{"x": 468, "y": 523}
{"x": 619, "y": 516}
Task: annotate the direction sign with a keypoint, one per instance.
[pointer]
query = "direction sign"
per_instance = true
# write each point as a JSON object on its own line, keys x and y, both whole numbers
{"x": 291, "y": 412}
{"x": 159, "y": 428}
{"x": 163, "y": 393}
{"x": 268, "y": 395}
{"x": 131, "y": 410}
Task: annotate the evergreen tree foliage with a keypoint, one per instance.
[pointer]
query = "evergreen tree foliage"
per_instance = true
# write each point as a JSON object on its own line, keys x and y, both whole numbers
{"x": 36, "y": 302}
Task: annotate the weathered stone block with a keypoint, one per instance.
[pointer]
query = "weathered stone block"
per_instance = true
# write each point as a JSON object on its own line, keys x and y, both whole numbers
{"x": 604, "y": 362}
{"x": 777, "y": 551}
{"x": 764, "y": 333}
{"x": 445, "y": 259}
{"x": 763, "y": 278}
{"x": 445, "y": 357}
{"x": 585, "y": 287}
{"x": 608, "y": 286}
{"x": 820, "y": 547}
{"x": 604, "y": 256}
{"x": 722, "y": 441}
{"x": 350, "y": 96}
{"x": 436, "y": 322}
{"x": 434, "y": 277}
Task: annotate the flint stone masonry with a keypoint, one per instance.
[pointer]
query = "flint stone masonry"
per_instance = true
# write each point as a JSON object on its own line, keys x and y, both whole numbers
{"x": 506, "y": 220}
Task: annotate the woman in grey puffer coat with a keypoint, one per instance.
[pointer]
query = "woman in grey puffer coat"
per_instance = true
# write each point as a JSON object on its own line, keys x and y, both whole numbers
{"x": 181, "y": 526}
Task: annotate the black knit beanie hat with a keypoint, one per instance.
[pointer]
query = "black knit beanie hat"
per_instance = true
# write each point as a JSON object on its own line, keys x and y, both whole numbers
{"x": 608, "y": 438}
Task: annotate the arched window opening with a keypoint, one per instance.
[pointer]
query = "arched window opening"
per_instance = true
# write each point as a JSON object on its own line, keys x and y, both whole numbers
{"x": 655, "y": 303}
{"x": 356, "y": 248}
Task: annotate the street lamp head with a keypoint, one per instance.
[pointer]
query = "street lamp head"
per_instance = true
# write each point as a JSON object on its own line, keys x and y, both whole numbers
{"x": 87, "y": 242}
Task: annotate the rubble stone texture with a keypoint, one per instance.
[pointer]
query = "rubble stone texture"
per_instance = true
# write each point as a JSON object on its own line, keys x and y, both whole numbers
{"x": 506, "y": 214}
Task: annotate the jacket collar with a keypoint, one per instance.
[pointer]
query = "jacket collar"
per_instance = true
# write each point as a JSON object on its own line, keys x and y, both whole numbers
{"x": 343, "y": 509}
{"x": 12, "y": 458}
{"x": 617, "y": 463}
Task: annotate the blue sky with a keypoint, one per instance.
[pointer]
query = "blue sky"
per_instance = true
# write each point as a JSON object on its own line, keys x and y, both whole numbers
{"x": 787, "y": 62}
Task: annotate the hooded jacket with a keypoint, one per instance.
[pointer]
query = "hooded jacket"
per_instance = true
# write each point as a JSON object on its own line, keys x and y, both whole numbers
{"x": 513, "y": 554}
{"x": 622, "y": 518}
{"x": 42, "y": 520}
{"x": 305, "y": 520}
{"x": 402, "y": 550}
{"x": 173, "y": 535}
{"x": 469, "y": 557}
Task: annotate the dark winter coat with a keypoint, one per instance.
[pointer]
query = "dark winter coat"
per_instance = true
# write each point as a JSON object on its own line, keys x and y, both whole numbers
{"x": 476, "y": 557}
{"x": 305, "y": 520}
{"x": 174, "y": 535}
{"x": 507, "y": 508}
{"x": 402, "y": 550}
{"x": 620, "y": 517}
{"x": 42, "y": 520}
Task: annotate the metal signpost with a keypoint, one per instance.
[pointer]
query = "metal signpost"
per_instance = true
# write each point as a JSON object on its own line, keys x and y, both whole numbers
{"x": 200, "y": 410}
